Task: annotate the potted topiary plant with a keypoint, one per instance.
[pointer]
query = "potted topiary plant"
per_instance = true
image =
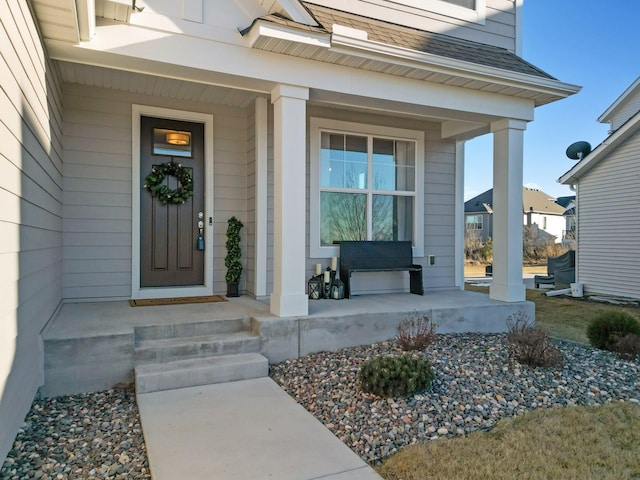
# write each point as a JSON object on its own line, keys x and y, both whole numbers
{"x": 232, "y": 260}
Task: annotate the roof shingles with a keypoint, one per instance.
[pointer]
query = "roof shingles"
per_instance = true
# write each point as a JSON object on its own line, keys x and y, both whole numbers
{"x": 412, "y": 39}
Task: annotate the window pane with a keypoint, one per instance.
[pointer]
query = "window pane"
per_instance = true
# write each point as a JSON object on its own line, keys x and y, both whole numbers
{"x": 342, "y": 217}
{"x": 343, "y": 161}
{"x": 394, "y": 165}
{"x": 171, "y": 142}
{"x": 392, "y": 218}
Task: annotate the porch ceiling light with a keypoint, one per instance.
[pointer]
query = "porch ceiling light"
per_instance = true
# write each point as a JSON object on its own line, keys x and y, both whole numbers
{"x": 177, "y": 138}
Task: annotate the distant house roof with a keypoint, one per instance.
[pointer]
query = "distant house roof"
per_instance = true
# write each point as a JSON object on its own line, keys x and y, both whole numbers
{"x": 410, "y": 38}
{"x": 533, "y": 200}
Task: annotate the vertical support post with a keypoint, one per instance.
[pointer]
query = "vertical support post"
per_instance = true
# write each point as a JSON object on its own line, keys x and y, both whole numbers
{"x": 290, "y": 128}
{"x": 261, "y": 197}
{"x": 459, "y": 216}
{"x": 507, "y": 283}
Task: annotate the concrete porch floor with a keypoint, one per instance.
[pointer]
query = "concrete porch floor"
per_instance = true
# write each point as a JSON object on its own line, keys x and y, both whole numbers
{"x": 90, "y": 346}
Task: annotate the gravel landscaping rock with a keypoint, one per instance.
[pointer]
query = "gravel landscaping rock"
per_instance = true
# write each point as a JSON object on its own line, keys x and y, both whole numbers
{"x": 98, "y": 435}
{"x": 90, "y": 436}
{"x": 476, "y": 385}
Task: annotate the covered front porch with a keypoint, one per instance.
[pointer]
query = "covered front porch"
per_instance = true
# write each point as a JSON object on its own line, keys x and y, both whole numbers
{"x": 94, "y": 346}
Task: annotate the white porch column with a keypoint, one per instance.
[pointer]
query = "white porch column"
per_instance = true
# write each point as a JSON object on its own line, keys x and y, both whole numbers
{"x": 290, "y": 135}
{"x": 507, "y": 283}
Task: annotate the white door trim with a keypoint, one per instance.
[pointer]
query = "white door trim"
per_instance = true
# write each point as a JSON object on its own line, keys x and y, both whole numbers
{"x": 162, "y": 292}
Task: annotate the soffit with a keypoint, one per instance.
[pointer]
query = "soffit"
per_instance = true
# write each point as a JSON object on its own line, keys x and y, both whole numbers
{"x": 164, "y": 87}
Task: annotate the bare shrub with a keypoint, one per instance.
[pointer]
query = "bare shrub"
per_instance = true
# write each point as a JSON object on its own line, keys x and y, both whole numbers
{"x": 475, "y": 249}
{"x": 416, "y": 332}
{"x": 530, "y": 344}
{"x": 627, "y": 346}
{"x": 537, "y": 245}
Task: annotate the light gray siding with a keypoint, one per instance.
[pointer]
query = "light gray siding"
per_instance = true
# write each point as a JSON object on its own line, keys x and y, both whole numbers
{"x": 626, "y": 110}
{"x": 498, "y": 30}
{"x": 608, "y": 200}
{"x": 97, "y": 210}
{"x": 31, "y": 215}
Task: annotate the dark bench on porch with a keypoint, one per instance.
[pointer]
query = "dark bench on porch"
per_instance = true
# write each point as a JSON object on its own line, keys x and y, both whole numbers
{"x": 377, "y": 256}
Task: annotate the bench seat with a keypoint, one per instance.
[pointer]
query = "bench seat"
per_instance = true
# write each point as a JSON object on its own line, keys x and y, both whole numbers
{"x": 379, "y": 256}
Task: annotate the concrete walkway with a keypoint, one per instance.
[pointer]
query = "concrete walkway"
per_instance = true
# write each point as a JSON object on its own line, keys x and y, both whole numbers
{"x": 242, "y": 430}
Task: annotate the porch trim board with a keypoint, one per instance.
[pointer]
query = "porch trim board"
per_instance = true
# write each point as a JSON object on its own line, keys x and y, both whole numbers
{"x": 137, "y": 291}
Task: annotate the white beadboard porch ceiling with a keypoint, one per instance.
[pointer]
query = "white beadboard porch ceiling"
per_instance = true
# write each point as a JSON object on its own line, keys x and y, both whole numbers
{"x": 153, "y": 85}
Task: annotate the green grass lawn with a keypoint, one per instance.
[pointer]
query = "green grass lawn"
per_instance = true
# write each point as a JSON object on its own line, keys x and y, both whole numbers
{"x": 565, "y": 318}
{"x": 567, "y": 443}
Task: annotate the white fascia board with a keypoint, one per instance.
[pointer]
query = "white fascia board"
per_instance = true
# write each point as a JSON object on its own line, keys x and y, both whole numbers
{"x": 147, "y": 51}
{"x": 298, "y": 12}
{"x": 605, "y": 117}
{"x": 616, "y": 138}
{"x": 426, "y": 61}
{"x": 263, "y": 29}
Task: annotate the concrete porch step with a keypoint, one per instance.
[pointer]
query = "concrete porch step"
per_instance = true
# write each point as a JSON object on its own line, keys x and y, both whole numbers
{"x": 191, "y": 329}
{"x": 200, "y": 371}
{"x": 172, "y": 349}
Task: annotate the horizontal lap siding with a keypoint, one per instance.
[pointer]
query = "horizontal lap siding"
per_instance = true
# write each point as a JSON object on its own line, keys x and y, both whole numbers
{"x": 608, "y": 220}
{"x": 31, "y": 216}
{"x": 498, "y": 29}
{"x": 97, "y": 207}
{"x": 628, "y": 109}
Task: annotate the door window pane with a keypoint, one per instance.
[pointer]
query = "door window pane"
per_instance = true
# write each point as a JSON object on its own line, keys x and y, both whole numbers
{"x": 393, "y": 165}
{"x": 342, "y": 217}
{"x": 343, "y": 161}
{"x": 392, "y": 218}
{"x": 173, "y": 143}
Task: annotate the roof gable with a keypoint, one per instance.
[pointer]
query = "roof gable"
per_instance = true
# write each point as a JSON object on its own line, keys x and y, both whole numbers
{"x": 533, "y": 200}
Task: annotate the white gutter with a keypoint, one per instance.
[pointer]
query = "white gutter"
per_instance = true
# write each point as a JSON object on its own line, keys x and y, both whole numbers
{"x": 267, "y": 29}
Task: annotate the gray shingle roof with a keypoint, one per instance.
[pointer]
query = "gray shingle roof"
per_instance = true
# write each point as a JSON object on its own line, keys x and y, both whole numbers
{"x": 533, "y": 200}
{"x": 413, "y": 39}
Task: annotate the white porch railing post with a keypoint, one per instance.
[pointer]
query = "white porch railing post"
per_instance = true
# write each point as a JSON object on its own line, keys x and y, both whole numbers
{"x": 290, "y": 125}
{"x": 507, "y": 283}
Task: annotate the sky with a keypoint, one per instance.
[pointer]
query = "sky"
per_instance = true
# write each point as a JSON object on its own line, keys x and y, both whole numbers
{"x": 593, "y": 44}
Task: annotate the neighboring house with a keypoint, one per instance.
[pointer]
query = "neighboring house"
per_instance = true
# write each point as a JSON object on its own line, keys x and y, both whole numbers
{"x": 539, "y": 210}
{"x": 607, "y": 203}
{"x": 310, "y": 122}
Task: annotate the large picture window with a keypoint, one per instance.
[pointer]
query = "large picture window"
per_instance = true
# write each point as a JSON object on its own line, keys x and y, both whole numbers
{"x": 366, "y": 184}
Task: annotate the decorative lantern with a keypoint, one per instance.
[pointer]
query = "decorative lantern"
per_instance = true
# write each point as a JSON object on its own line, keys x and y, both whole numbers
{"x": 337, "y": 289}
{"x": 316, "y": 287}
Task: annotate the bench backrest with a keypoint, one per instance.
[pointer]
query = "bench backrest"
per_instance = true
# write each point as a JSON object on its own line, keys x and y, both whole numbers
{"x": 375, "y": 254}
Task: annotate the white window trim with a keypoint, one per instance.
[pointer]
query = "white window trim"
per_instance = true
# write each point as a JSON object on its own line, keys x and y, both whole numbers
{"x": 317, "y": 125}
{"x": 477, "y": 15}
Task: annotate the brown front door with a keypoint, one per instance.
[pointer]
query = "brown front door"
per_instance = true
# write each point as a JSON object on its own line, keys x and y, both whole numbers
{"x": 170, "y": 253}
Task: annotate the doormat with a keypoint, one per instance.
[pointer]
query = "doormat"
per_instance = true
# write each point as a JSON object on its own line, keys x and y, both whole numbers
{"x": 176, "y": 301}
